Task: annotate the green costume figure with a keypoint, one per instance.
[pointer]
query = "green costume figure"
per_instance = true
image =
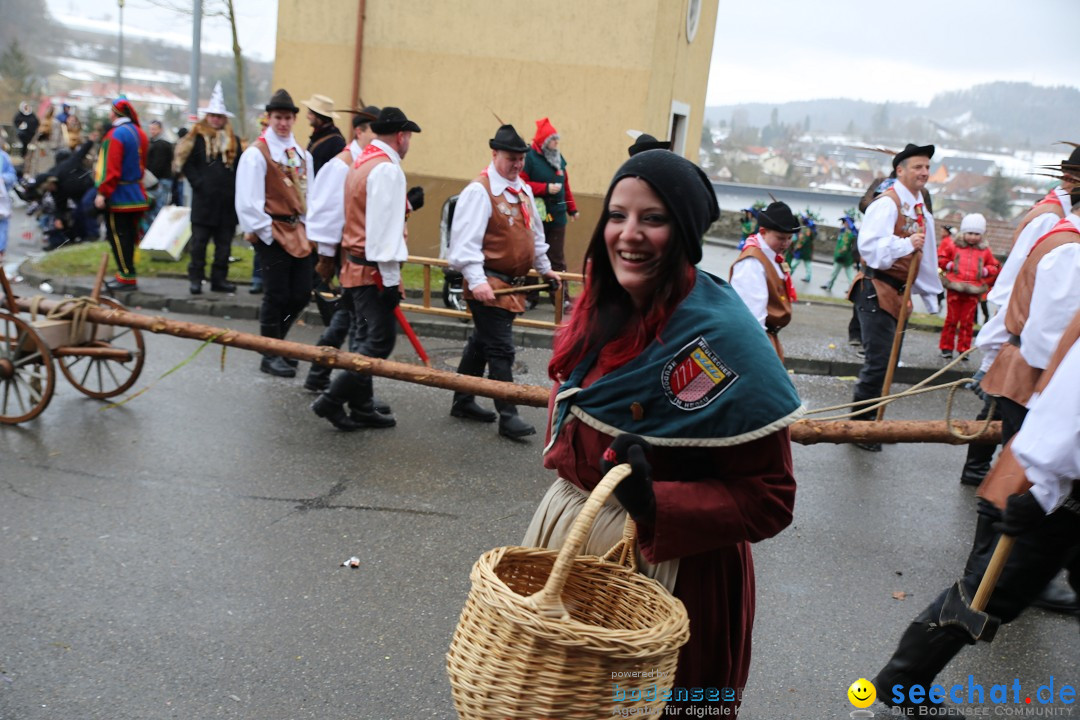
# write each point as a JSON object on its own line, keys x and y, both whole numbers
{"x": 844, "y": 252}
{"x": 802, "y": 249}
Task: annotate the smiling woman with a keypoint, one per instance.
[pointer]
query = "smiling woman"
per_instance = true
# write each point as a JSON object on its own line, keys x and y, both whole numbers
{"x": 663, "y": 367}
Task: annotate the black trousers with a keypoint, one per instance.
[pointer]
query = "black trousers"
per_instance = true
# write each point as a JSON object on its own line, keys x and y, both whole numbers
{"x": 926, "y": 647}
{"x": 123, "y": 230}
{"x": 201, "y": 235}
{"x": 286, "y": 286}
{"x": 491, "y": 345}
{"x": 337, "y": 330}
{"x": 877, "y": 329}
{"x": 373, "y": 333}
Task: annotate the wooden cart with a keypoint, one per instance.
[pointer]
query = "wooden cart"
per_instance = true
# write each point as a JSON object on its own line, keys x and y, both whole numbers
{"x": 101, "y": 361}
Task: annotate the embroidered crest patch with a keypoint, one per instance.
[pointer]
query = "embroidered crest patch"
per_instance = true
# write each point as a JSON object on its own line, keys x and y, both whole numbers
{"x": 695, "y": 376}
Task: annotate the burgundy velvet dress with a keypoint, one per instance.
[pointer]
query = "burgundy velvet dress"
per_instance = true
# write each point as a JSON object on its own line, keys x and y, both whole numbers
{"x": 711, "y": 503}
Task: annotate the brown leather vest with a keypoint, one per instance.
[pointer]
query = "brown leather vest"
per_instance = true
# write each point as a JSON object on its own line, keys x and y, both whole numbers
{"x": 889, "y": 298}
{"x": 354, "y": 234}
{"x": 285, "y": 197}
{"x": 1007, "y": 476}
{"x": 1010, "y": 376}
{"x": 508, "y": 247}
{"x": 778, "y": 307}
{"x": 1041, "y": 208}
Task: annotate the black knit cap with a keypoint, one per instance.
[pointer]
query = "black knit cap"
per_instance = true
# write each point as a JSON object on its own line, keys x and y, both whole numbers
{"x": 645, "y": 141}
{"x": 912, "y": 150}
{"x": 282, "y": 100}
{"x": 684, "y": 188}
{"x": 507, "y": 138}
{"x": 778, "y": 216}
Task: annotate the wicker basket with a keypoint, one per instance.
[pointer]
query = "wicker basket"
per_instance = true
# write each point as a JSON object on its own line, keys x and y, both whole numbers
{"x": 555, "y": 635}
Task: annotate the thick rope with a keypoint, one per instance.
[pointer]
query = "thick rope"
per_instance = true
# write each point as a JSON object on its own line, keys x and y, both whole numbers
{"x": 871, "y": 404}
{"x": 73, "y": 309}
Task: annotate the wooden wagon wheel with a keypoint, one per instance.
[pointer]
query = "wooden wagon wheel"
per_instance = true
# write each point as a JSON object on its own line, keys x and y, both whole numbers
{"x": 27, "y": 376}
{"x": 104, "y": 366}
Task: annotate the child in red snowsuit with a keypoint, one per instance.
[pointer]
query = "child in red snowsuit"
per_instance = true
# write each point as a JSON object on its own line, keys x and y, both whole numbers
{"x": 970, "y": 269}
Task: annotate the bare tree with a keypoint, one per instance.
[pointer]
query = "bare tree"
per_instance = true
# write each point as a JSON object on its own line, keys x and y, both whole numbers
{"x": 220, "y": 9}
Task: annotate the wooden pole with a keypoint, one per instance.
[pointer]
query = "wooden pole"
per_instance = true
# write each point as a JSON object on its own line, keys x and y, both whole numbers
{"x": 901, "y": 326}
{"x": 804, "y": 432}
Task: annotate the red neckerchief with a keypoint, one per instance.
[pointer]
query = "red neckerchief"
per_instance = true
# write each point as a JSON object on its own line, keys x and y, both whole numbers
{"x": 755, "y": 240}
{"x": 523, "y": 201}
{"x": 1063, "y": 225}
{"x": 370, "y": 151}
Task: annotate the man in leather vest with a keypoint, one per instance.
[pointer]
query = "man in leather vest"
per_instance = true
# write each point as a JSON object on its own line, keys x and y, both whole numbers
{"x": 765, "y": 285}
{"x": 897, "y": 224}
{"x": 496, "y": 239}
{"x": 372, "y": 250}
{"x": 271, "y": 203}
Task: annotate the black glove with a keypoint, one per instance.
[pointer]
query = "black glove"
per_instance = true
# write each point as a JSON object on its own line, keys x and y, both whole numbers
{"x": 1022, "y": 512}
{"x": 390, "y": 296}
{"x": 635, "y": 493}
{"x": 415, "y": 196}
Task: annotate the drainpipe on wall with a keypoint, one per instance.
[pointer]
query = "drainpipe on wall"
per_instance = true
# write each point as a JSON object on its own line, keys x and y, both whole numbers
{"x": 357, "y": 59}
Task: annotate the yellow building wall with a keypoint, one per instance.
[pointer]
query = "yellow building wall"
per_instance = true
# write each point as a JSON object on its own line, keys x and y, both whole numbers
{"x": 596, "y": 68}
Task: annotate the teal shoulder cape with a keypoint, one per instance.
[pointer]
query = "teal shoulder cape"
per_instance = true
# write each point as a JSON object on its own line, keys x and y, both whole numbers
{"x": 711, "y": 379}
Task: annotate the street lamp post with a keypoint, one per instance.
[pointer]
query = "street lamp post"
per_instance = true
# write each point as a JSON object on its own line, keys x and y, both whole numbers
{"x": 120, "y": 60}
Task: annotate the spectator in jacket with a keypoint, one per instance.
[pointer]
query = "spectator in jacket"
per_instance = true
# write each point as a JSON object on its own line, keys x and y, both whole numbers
{"x": 208, "y": 156}
{"x": 159, "y": 160}
{"x": 970, "y": 269}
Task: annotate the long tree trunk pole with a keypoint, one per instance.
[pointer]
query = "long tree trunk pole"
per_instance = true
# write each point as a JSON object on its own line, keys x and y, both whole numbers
{"x": 901, "y": 326}
{"x": 238, "y": 59}
{"x": 806, "y": 432}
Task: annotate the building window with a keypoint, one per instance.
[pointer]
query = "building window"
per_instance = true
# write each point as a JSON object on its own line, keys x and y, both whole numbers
{"x": 693, "y": 18}
{"x": 680, "y": 111}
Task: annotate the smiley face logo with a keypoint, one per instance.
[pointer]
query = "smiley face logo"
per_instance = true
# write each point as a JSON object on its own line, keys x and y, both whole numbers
{"x": 862, "y": 693}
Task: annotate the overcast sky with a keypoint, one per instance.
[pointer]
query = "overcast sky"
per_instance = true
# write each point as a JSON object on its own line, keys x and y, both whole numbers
{"x": 779, "y": 50}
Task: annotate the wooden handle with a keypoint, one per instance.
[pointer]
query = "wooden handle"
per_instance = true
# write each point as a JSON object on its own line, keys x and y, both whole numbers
{"x": 901, "y": 325}
{"x": 96, "y": 292}
{"x": 521, "y": 289}
{"x": 993, "y": 572}
{"x": 548, "y": 601}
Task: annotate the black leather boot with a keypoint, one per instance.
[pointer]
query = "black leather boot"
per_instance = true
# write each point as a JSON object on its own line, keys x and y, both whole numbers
{"x": 324, "y": 407}
{"x": 274, "y": 364}
{"x": 467, "y": 409}
{"x": 512, "y": 426}
{"x": 368, "y": 416}
{"x": 924, "y": 650}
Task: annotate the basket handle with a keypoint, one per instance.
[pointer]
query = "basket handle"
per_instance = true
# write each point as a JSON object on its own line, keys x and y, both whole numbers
{"x": 548, "y": 601}
{"x": 624, "y": 552}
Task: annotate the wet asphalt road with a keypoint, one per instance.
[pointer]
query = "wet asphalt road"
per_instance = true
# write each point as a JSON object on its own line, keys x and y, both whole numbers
{"x": 179, "y": 556}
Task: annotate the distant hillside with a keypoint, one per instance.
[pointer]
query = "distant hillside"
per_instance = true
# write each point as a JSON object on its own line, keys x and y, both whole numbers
{"x": 1016, "y": 114}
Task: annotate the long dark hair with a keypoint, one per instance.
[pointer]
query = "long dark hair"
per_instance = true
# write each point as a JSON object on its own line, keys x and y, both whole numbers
{"x": 605, "y": 316}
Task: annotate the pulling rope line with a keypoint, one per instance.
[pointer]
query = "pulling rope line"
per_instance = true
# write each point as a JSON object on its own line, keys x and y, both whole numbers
{"x": 916, "y": 389}
{"x": 73, "y": 309}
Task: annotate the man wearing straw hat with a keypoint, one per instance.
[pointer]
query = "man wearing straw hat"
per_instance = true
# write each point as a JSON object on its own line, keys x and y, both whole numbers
{"x": 372, "y": 250}
{"x": 326, "y": 141}
{"x": 496, "y": 239}
{"x": 897, "y": 225}
{"x": 765, "y": 286}
{"x": 207, "y": 157}
{"x": 271, "y": 204}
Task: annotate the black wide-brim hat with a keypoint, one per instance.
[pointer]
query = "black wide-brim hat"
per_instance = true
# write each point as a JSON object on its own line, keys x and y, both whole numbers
{"x": 778, "y": 216}
{"x": 645, "y": 141}
{"x": 281, "y": 100}
{"x": 507, "y": 138}
{"x": 912, "y": 150}
{"x": 368, "y": 115}
{"x": 392, "y": 120}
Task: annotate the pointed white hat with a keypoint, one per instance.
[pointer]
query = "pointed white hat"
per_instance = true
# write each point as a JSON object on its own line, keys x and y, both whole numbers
{"x": 217, "y": 103}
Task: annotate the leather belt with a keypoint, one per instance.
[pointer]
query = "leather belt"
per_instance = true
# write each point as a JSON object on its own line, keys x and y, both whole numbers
{"x": 513, "y": 281}
{"x": 1014, "y": 340}
{"x": 360, "y": 261}
{"x": 290, "y": 219}
{"x": 889, "y": 280}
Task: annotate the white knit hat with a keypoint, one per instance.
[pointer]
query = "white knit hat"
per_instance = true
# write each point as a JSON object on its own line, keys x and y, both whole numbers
{"x": 973, "y": 223}
{"x": 217, "y": 103}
